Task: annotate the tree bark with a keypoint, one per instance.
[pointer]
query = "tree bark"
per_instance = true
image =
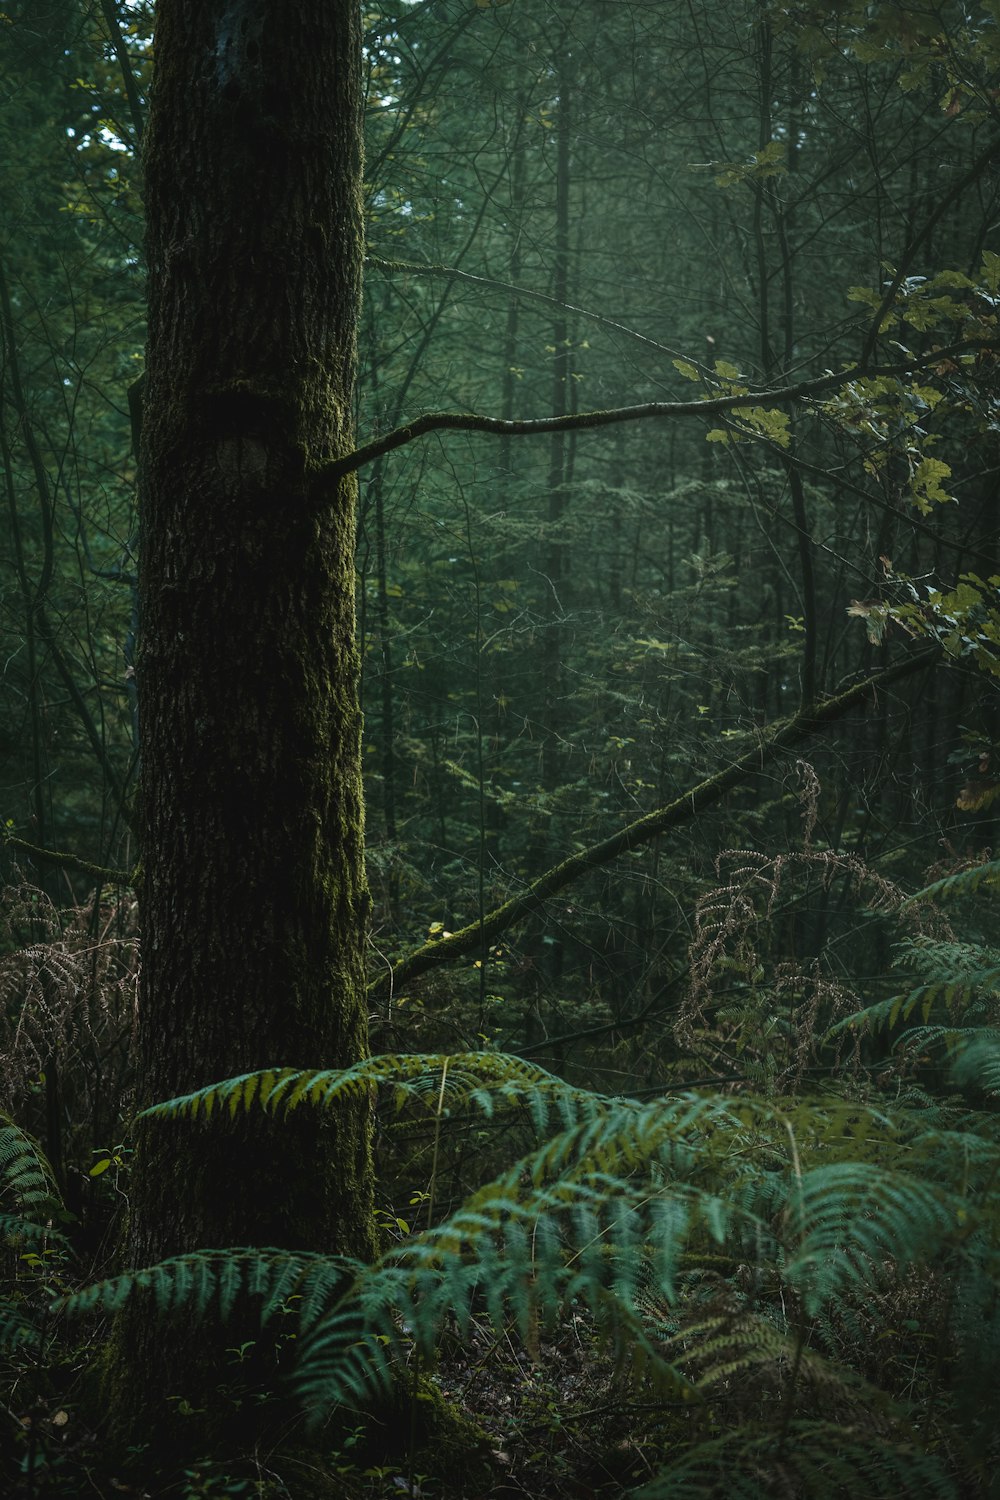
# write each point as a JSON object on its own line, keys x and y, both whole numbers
{"x": 253, "y": 896}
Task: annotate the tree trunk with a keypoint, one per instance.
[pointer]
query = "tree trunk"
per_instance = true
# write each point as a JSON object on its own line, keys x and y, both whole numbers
{"x": 253, "y": 895}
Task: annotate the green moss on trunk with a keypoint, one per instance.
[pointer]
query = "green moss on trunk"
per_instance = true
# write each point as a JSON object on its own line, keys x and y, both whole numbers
{"x": 253, "y": 896}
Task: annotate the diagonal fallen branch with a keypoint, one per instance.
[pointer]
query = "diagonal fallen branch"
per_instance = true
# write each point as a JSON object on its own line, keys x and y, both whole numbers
{"x": 99, "y": 873}
{"x": 634, "y": 835}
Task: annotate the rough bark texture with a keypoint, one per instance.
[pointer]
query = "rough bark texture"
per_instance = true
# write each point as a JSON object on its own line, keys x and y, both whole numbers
{"x": 252, "y": 894}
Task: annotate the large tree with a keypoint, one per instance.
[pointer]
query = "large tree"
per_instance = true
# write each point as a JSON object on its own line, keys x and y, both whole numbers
{"x": 253, "y": 896}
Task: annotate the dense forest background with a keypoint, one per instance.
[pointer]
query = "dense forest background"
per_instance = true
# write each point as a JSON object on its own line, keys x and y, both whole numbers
{"x": 770, "y": 631}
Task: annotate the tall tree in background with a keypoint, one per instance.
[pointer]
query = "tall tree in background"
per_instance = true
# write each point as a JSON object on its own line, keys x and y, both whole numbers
{"x": 252, "y": 894}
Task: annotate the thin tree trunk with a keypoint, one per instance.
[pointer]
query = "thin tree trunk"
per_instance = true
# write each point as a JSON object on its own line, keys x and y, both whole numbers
{"x": 555, "y": 566}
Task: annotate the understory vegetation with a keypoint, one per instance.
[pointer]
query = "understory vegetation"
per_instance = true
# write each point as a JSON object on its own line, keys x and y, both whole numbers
{"x": 786, "y": 1286}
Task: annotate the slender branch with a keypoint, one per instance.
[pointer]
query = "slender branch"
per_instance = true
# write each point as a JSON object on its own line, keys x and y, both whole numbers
{"x": 69, "y": 862}
{"x": 90, "y": 727}
{"x": 129, "y": 80}
{"x": 457, "y": 421}
{"x": 526, "y": 294}
{"x": 29, "y": 438}
{"x": 46, "y": 505}
{"x": 636, "y": 834}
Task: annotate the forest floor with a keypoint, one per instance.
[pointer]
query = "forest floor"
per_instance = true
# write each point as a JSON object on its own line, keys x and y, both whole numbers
{"x": 553, "y": 1423}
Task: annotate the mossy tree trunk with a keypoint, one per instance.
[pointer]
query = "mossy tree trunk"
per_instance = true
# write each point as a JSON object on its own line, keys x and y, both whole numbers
{"x": 253, "y": 896}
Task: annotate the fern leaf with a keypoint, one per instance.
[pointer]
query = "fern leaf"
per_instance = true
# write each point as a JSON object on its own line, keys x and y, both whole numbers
{"x": 482, "y": 1081}
{"x": 976, "y": 1060}
{"x": 16, "y": 1327}
{"x": 849, "y": 1216}
{"x": 343, "y": 1362}
{"x": 963, "y": 883}
{"x": 817, "y": 1461}
{"x": 195, "y": 1280}
{"x": 24, "y": 1172}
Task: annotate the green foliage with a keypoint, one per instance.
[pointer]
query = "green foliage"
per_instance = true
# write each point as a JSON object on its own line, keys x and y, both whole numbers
{"x": 445, "y": 1083}
{"x": 962, "y": 980}
{"x": 28, "y": 1201}
{"x": 15, "y": 1326}
{"x": 618, "y": 1211}
{"x": 24, "y": 1173}
{"x": 964, "y": 882}
{"x": 550, "y": 652}
{"x": 813, "y": 1458}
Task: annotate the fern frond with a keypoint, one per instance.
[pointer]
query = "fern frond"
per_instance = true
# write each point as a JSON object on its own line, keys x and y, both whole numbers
{"x": 974, "y": 1053}
{"x": 962, "y": 883}
{"x": 344, "y": 1362}
{"x": 951, "y": 1157}
{"x": 816, "y": 1461}
{"x": 440, "y": 1082}
{"x": 976, "y": 1059}
{"x": 610, "y": 1203}
{"x": 961, "y": 978}
{"x": 848, "y": 1217}
{"x": 614, "y": 1212}
{"x": 197, "y": 1281}
{"x": 24, "y": 1172}
{"x": 635, "y": 1353}
{"x": 747, "y": 1344}
{"x": 17, "y": 1230}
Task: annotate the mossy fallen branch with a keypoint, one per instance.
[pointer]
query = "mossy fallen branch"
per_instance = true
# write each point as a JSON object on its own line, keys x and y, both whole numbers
{"x": 102, "y": 874}
{"x": 634, "y": 835}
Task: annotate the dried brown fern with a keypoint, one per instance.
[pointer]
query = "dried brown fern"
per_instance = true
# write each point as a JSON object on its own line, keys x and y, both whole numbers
{"x": 743, "y": 1006}
{"x": 68, "y": 981}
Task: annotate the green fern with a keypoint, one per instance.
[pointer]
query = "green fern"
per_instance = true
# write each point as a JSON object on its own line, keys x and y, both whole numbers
{"x": 616, "y": 1198}
{"x": 28, "y": 1186}
{"x": 825, "y": 1202}
{"x": 440, "y": 1083}
{"x": 16, "y": 1326}
{"x": 850, "y": 1217}
{"x": 961, "y": 978}
{"x": 24, "y": 1173}
{"x": 217, "y": 1279}
{"x": 962, "y": 883}
{"x": 812, "y": 1460}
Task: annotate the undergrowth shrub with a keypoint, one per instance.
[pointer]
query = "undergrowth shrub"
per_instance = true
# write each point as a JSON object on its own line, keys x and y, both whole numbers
{"x": 812, "y": 1278}
{"x": 68, "y": 991}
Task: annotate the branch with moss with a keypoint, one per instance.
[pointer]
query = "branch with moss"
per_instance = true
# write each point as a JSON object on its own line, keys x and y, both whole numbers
{"x": 789, "y": 732}
{"x": 706, "y": 406}
{"x": 98, "y": 873}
